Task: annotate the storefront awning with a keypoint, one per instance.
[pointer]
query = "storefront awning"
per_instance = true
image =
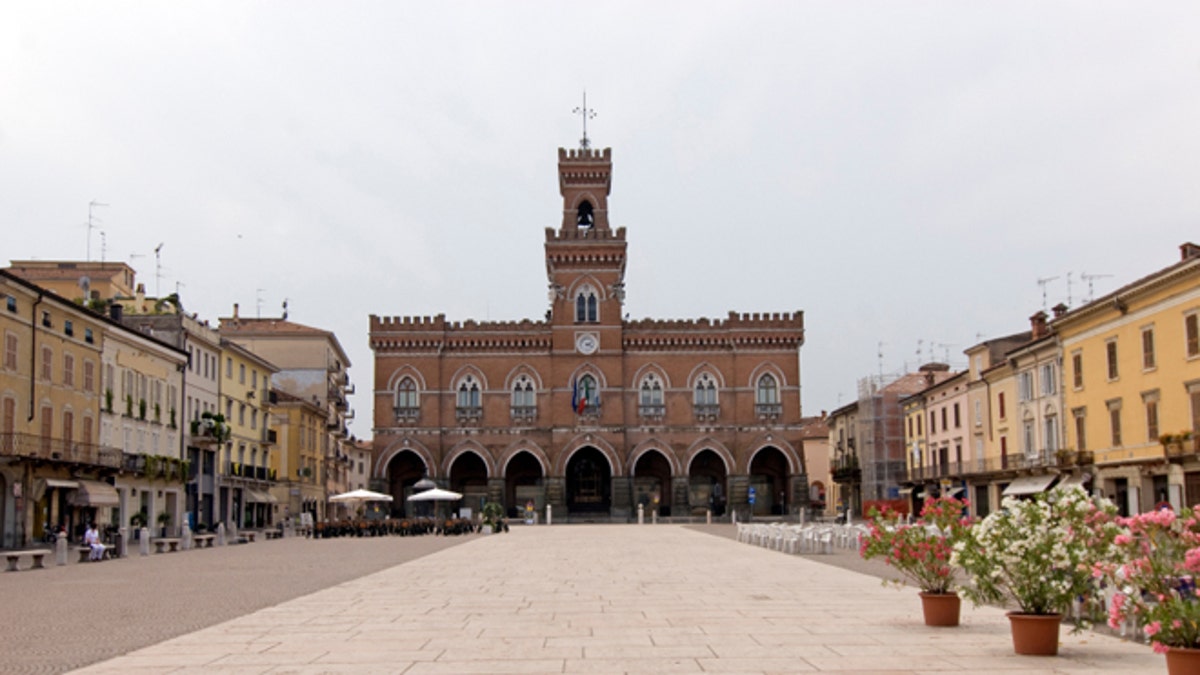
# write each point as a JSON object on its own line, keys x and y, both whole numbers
{"x": 59, "y": 483}
{"x": 954, "y": 491}
{"x": 906, "y": 491}
{"x": 95, "y": 493}
{"x": 1029, "y": 485}
{"x": 260, "y": 497}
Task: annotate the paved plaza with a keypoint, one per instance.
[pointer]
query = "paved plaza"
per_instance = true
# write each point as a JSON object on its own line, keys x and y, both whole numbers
{"x": 596, "y": 598}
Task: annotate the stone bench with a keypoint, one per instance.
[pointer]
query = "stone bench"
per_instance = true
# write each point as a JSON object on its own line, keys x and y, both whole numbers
{"x": 273, "y": 534}
{"x": 161, "y": 545}
{"x": 36, "y": 555}
{"x": 204, "y": 540}
{"x": 85, "y": 553}
{"x": 248, "y": 535}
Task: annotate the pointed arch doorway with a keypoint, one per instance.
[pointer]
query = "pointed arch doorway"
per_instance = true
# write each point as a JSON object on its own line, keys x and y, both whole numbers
{"x": 589, "y": 482}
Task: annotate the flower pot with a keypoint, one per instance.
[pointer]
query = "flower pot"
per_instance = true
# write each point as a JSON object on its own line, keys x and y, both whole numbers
{"x": 1035, "y": 634}
{"x": 941, "y": 609}
{"x": 1183, "y": 661}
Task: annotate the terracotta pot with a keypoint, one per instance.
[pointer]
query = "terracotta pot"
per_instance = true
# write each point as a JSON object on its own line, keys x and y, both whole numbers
{"x": 1035, "y": 634}
{"x": 941, "y": 609}
{"x": 1183, "y": 661}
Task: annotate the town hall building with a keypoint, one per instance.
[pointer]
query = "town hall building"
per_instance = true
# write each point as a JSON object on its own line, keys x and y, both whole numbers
{"x": 586, "y": 411}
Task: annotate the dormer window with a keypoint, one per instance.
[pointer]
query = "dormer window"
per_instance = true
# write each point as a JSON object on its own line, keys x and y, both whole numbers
{"x": 586, "y": 306}
{"x": 584, "y": 217}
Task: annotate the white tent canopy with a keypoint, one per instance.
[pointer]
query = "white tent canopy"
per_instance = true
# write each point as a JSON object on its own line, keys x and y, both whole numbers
{"x": 361, "y": 496}
{"x": 435, "y": 495}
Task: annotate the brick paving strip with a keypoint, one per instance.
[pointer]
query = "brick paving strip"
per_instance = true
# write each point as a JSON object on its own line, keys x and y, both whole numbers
{"x": 620, "y": 598}
{"x": 67, "y": 617}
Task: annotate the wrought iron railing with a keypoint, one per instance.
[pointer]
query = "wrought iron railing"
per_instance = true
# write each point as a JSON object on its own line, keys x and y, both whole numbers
{"x": 57, "y": 449}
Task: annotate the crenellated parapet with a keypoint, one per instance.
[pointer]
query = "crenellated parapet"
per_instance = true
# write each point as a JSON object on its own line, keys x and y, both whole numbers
{"x": 584, "y": 234}
{"x": 417, "y": 333}
{"x": 778, "y": 330}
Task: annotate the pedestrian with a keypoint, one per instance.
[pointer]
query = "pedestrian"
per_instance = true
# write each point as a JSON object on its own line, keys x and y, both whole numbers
{"x": 91, "y": 538}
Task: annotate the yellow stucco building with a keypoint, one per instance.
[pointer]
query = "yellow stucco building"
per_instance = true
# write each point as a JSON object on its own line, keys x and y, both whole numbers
{"x": 1131, "y": 371}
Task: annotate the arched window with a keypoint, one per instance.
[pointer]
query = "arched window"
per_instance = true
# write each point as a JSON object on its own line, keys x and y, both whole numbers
{"x": 650, "y": 397}
{"x": 524, "y": 400}
{"x": 407, "y": 403}
{"x": 586, "y": 307}
{"x": 706, "y": 390}
{"x": 585, "y": 394}
{"x": 468, "y": 393}
{"x": 767, "y": 392}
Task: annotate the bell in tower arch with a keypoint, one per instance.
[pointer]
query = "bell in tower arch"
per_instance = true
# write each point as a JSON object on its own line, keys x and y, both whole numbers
{"x": 583, "y": 216}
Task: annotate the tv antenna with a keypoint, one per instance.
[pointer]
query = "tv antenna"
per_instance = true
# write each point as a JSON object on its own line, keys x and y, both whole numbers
{"x": 258, "y": 302}
{"x": 1090, "y": 278}
{"x": 91, "y": 225}
{"x": 1043, "y": 282}
{"x": 103, "y": 246}
{"x": 879, "y": 354}
{"x": 158, "y": 270}
{"x": 586, "y": 113}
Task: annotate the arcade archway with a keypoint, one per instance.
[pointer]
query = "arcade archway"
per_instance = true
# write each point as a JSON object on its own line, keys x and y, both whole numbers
{"x": 403, "y": 471}
{"x": 468, "y": 476}
{"x": 652, "y": 482}
{"x": 523, "y": 484}
{"x": 589, "y": 482}
{"x": 707, "y": 486}
{"x": 768, "y": 477}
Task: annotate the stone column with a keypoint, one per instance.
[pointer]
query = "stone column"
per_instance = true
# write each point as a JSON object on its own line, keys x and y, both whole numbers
{"x": 797, "y": 493}
{"x": 622, "y": 498}
{"x": 680, "y": 497}
{"x": 739, "y": 486}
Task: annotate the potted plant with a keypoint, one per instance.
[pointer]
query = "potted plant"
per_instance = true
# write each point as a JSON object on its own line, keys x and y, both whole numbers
{"x": 1038, "y": 554}
{"x": 137, "y": 521}
{"x": 164, "y": 520}
{"x": 921, "y": 553}
{"x": 1154, "y": 574}
{"x": 141, "y": 409}
{"x": 492, "y": 513}
{"x": 108, "y": 399}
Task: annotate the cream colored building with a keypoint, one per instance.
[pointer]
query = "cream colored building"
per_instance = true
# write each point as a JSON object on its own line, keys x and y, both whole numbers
{"x": 298, "y": 456}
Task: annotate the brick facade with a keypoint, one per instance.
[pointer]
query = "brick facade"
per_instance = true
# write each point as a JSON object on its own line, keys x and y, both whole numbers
{"x": 585, "y": 411}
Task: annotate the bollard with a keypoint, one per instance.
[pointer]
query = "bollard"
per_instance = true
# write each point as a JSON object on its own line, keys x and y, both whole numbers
{"x": 60, "y": 550}
{"x": 654, "y": 516}
{"x": 122, "y": 542}
{"x": 733, "y": 516}
{"x": 186, "y": 536}
{"x": 641, "y": 515}
{"x": 708, "y": 517}
{"x": 144, "y": 541}
{"x": 549, "y": 515}
{"x": 220, "y": 534}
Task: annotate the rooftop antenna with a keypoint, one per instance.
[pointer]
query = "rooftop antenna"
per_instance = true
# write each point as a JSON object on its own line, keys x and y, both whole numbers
{"x": 1043, "y": 282}
{"x": 920, "y": 346}
{"x": 945, "y": 350}
{"x": 91, "y": 224}
{"x": 586, "y": 113}
{"x": 880, "y": 355}
{"x": 258, "y": 302}
{"x": 285, "y": 309}
{"x": 1069, "y": 288}
{"x": 158, "y": 270}
{"x": 103, "y": 246}
{"x": 1090, "y": 278}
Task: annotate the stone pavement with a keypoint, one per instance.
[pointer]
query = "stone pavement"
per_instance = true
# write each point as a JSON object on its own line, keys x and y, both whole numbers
{"x": 611, "y": 599}
{"x": 61, "y": 618}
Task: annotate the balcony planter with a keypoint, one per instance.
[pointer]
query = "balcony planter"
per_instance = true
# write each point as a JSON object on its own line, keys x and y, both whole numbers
{"x": 1067, "y": 458}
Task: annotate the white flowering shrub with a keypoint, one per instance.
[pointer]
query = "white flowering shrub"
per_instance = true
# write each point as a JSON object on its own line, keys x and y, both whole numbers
{"x": 1038, "y": 553}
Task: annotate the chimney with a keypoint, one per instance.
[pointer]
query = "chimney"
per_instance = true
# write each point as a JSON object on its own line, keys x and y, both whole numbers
{"x": 235, "y": 310}
{"x": 1059, "y": 309}
{"x": 1189, "y": 250}
{"x": 115, "y": 311}
{"x": 1037, "y": 324}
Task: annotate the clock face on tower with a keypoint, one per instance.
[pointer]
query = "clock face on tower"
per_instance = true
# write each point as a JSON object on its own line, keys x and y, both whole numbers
{"x": 586, "y": 343}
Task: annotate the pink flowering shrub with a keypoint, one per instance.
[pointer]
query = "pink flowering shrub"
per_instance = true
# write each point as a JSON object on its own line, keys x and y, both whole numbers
{"x": 1159, "y": 557}
{"x": 920, "y": 552}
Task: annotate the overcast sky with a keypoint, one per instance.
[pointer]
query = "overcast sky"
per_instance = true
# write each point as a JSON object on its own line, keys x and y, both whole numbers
{"x": 898, "y": 171}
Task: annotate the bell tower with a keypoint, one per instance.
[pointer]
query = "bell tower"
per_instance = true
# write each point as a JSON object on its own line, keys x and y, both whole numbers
{"x": 585, "y": 257}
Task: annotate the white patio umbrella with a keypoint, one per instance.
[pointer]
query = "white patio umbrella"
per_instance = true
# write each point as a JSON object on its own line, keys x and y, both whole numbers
{"x": 361, "y": 496}
{"x": 435, "y": 495}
